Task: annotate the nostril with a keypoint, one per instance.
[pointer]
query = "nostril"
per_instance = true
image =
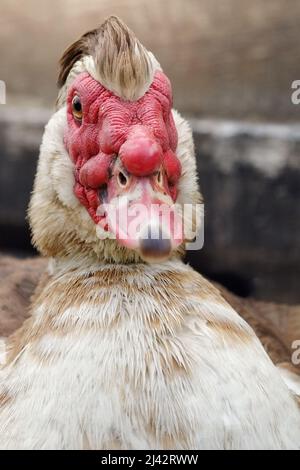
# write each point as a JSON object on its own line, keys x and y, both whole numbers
{"x": 159, "y": 177}
{"x": 122, "y": 179}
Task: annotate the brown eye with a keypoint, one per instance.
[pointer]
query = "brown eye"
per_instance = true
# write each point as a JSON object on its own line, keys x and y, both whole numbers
{"x": 77, "y": 108}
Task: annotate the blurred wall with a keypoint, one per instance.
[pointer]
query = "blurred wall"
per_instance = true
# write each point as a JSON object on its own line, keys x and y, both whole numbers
{"x": 226, "y": 58}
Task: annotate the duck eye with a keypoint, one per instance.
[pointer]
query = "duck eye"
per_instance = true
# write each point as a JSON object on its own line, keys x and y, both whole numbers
{"x": 77, "y": 108}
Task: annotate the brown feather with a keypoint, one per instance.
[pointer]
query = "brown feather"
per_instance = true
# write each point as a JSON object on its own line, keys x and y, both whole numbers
{"x": 121, "y": 60}
{"x": 73, "y": 53}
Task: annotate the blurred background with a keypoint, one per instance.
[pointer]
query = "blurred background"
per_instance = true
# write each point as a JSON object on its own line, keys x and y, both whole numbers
{"x": 232, "y": 64}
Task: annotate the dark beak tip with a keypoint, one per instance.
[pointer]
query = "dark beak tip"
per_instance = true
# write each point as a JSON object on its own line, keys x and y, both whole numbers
{"x": 155, "y": 249}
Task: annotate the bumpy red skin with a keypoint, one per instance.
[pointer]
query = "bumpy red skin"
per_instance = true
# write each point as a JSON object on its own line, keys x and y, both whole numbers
{"x": 141, "y": 133}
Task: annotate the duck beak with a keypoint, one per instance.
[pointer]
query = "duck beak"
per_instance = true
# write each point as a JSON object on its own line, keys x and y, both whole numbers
{"x": 140, "y": 213}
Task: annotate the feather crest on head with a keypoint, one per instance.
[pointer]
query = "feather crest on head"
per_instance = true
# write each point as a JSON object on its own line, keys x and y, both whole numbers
{"x": 113, "y": 56}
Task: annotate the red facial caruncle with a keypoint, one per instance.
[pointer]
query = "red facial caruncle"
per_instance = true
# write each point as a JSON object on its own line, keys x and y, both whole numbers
{"x": 116, "y": 144}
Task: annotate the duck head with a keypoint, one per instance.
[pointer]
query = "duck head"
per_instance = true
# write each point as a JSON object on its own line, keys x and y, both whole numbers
{"x": 117, "y": 162}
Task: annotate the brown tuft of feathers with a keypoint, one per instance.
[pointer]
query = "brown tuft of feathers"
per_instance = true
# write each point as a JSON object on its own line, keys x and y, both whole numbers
{"x": 75, "y": 52}
{"x": 122, "y": 64}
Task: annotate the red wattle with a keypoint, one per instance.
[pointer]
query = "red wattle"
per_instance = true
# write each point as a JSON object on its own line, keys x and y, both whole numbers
{"x": 94, "y": 172}
{"x": 142, "y": 133}
{"x": 172, "y": 166}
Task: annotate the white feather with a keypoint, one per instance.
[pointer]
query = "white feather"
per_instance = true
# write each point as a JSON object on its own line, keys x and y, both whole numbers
{"x": 102, "y": 383}
{"x": 291, "y": 379}
{"x": 2, "y": 351}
